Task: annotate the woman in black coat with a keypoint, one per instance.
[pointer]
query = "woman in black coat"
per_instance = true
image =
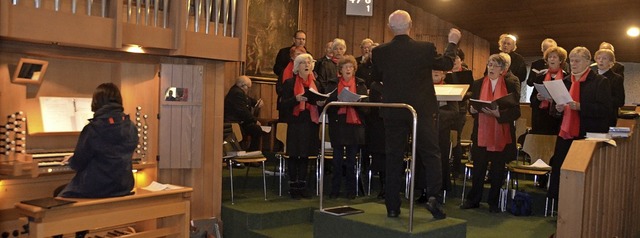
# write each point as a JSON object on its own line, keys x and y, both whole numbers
{"x": 302, "y": 117}
{"x": 589, "y": 111}
{"x": 346, "y": 126}
{"x": 605, "y": 59}
{"x": 493, "y": 133}
{"x": 544, "y": 117}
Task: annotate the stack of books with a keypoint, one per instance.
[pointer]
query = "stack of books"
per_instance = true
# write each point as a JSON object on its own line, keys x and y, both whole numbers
{"x": 619, "y": 132}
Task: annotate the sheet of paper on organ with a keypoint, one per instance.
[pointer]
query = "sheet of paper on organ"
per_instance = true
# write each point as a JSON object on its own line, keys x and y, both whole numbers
{"x": 65, "y": 114}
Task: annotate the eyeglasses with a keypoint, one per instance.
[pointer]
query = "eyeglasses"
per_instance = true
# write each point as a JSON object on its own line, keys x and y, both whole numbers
{"x": 301, "y": 39}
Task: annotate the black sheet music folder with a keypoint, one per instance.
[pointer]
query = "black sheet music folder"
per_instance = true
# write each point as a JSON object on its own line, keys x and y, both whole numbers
{"x": 47, "y": 202}
{"x": 342, "y": 210}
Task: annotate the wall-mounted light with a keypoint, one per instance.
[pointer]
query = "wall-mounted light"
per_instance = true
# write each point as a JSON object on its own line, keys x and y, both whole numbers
{"x": 134, "y": 49}
{"x": 633, "y": 31}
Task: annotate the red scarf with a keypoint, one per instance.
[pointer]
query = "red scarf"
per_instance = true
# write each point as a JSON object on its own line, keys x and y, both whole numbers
{"x": 288, "y": 72}
{"x": 547, "y": 77}
{"x": 570, "y": 127}
{"x": 491, "y": 134}
{"x": 334, "y": 60}
{"x": 298, "y": 89}
{"x": 352, "y": 115}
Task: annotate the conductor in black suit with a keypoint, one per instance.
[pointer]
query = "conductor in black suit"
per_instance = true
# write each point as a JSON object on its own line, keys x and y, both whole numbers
{"x": 404, "y": 67}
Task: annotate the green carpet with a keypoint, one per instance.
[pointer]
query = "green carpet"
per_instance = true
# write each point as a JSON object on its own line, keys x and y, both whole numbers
{"x": 284, "y": 217}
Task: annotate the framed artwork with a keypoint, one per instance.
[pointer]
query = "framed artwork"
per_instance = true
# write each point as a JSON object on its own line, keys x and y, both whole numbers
{"x": 271, "y": 27}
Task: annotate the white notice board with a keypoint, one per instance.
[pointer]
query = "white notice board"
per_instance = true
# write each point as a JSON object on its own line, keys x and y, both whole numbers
{"x": 65, "y": 114}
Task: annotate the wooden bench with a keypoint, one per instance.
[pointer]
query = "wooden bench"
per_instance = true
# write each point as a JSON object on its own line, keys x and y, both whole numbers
{"x": 144, "y": 208}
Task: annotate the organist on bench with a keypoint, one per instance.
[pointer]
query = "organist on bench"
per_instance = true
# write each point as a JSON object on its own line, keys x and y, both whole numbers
{"x": 102, "y": 157}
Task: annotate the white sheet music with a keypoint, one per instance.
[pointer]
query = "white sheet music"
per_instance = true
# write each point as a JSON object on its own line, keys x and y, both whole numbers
{"x": 542, "y": 90}
{"x": 558, "y": 91}
{"x": 65, "y": 114}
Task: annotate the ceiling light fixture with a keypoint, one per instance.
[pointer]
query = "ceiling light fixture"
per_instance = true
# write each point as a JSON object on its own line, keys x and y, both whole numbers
{"x": 633, "y": 31}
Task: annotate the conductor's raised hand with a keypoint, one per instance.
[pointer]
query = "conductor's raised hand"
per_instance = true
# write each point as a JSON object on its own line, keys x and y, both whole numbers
{"x": 454, "y": 35}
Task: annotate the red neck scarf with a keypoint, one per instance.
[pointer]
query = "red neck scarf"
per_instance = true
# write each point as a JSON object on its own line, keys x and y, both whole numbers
{"x": 547, "y": 77}
{"x": 298, "y": 89}
{"x": 288, "y": 72}
{"x": 352, "y": 115}
{"x": 491, "y": 134}
{"x": 570, "y": 127}
{"x": 334, "y": 60}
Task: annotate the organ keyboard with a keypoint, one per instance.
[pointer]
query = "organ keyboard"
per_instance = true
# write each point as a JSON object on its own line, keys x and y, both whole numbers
{"x": 50, "y": 162}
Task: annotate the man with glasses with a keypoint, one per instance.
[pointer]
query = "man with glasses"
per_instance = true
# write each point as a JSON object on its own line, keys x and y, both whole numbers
{"x": 283, "y": 57}
{"x": 238, "y": 107}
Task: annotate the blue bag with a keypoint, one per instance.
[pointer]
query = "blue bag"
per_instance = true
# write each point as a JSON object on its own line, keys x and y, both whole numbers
{"x": 521, "y": 205}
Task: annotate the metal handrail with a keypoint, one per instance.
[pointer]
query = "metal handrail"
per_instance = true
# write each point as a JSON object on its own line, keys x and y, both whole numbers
{"x": 371, "y": 104}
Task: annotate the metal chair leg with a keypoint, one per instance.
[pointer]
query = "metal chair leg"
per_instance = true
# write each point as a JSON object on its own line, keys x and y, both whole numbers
{"x": 464, "y": 181}
{"x": 264, "y": 182}
{"x": 280, "y": 158}
{"x": 230, "y": 162}
{"x": 370, "y": 175}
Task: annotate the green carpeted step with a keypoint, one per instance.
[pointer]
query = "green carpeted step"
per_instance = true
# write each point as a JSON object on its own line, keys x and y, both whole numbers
{"x": 303, "y": 230}
{"x": 374, "y": 223}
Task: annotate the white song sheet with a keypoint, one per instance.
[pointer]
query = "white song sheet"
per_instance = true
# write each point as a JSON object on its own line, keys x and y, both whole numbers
{"x": 65, "y": 114}
{"x": 558, "y": 91}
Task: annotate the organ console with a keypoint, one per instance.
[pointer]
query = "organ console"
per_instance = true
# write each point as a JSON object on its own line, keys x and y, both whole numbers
{"x": 51, "y": 162}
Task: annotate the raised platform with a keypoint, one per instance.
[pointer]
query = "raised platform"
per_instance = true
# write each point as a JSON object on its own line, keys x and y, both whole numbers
{"x": 283, "y": 217}
{"x": 374, "y": 223}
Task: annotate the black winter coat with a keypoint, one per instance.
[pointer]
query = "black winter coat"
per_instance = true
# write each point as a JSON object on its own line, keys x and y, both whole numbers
{"x": 102, "y": 158}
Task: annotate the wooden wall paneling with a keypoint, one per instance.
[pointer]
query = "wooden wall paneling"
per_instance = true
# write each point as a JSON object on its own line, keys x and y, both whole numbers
{"x": 136, "y": 78}
{"x": 377, "y": 23}
{"x": 176, "y": 115}
{"x": 186, "y": 126}
{"x": 360, "y": 32}
{"x": 164, "y": 151}
{"x": 197, "y": 132}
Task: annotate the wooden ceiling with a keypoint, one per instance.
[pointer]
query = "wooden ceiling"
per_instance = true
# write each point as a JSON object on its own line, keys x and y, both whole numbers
{"x": 570, "y": 22}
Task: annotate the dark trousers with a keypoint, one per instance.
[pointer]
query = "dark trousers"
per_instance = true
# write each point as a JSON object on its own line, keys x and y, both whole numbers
{"x": 427, "y": 155}
{"x": 298, "y": 169}
{"x": 350, "y": 164}
{"x": 445, "y": 144}
{"x": 481, "y": 158}
{"x": 255, "y": 131}
{"x": 561, "y": 151}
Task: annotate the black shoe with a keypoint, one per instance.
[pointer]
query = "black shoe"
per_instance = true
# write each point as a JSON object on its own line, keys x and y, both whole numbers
{"x": 351, "y": 196}
{"x": 393, "y": 213}
{"x": 468, "y": 205}
{"x": 435, "y": 208}
{"x": 494, "y": 209}
{"x": 422, "y": 199}
{"x": 304, "y": 194}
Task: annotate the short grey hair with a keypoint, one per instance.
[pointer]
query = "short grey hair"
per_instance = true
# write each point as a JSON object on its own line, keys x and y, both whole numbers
{"x": 580, "y": 51}
{"x": 503, "y": 37}
{"x": 399, "y": 21}
{"x": 338, "y": 42}
{"x": 300, "y": 59}
{"x": 608, "y": 52}
{"x": 503, "y": 60}
{"x": 366, "y": 41}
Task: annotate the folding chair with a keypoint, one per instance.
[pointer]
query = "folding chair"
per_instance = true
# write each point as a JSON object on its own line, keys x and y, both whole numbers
{"x": 248, "y": 159}
{"x": 537, "y": 147}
